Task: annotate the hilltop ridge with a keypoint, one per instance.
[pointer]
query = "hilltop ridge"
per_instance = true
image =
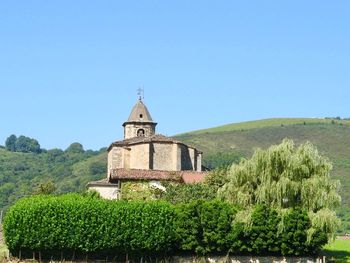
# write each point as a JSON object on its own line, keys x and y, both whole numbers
{"x": 271, "y": 122}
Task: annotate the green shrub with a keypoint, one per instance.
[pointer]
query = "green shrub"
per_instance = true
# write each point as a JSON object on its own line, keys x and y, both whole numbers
{"x": 269, "y": 234}
{"x": 262, "y": 237}
{"x": 89, "y": 224}
{"x": 177, "y": 193}
{"x": 204, "y": 227}
{"x": 77, "y": 224}
{"x": 294, "y": 237}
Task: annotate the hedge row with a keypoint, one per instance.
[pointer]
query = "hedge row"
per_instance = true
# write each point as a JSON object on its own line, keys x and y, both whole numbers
{"x": 209, "y": 227}
{"x": 90, "y": 225}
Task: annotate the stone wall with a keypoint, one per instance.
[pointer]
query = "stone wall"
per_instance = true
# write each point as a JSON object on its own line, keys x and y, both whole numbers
{"x": 139, "y": 156}
{"x": 186, "y": 162}
{"x": 155, "y": 156}
{"x": 107, "y": 192}
{"x": 163, "y": 156}
{"x": 131, "y": 129}
{"x": 115, "y": 158}
{"x": 199, "y": 162}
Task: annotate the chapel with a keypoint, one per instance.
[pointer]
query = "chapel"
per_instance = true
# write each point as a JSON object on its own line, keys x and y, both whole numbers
{"x": 144, "y": 155}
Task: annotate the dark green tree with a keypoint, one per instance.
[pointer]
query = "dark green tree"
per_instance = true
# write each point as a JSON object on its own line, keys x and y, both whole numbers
{"x": 10, "y": 143}
{"x": 75, "y": 148}
{"x": 27, "y": 145}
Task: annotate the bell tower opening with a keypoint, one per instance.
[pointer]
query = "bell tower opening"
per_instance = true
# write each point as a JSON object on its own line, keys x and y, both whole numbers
{"x": 140, "y": 132}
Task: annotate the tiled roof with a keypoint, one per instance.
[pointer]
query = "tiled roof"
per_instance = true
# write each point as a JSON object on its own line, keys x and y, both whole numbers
{"x": 188, "y": 177}
{"x": 103, "y": 182}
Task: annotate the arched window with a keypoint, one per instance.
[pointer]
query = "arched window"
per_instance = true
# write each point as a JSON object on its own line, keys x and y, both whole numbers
{"x": 140, "y": 132}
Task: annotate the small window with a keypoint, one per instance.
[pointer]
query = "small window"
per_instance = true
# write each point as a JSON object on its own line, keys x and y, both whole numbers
{"x": 141, "y": 116}
{"x": 140, "y": 132}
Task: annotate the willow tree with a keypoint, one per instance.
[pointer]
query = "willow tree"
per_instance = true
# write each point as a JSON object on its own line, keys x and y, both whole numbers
{"x": 285, "y": 176}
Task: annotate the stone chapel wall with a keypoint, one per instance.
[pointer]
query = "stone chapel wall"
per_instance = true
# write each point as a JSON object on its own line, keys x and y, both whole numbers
{"x": 163, "y": 156}
{"x": 139, "y": 156}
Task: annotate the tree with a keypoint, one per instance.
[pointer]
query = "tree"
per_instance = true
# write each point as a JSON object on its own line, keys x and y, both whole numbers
{"x": 26, "y": 145}
{"x": 22, "y": 144}
{"x": 75, "y": 148}
{"x": 285, "y": 176}
{"x": 221, "y": 159}
{"x": 183, "y": 193}
{"x": 10, "y": 143}
{"x": 45, "y": 188}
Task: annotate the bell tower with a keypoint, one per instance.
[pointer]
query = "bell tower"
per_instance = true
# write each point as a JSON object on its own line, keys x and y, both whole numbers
{"x": 139, "y": 123}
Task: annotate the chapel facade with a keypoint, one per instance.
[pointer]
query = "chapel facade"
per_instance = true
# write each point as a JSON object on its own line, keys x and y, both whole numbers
{"x": 147, "y": 156}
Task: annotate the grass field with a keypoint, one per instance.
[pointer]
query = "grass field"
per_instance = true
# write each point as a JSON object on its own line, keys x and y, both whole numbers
{"x": 274, "y": 122}
{"x": 339, "y": 251}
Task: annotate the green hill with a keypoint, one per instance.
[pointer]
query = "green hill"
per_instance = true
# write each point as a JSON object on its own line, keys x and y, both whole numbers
{"x": 331, "y": 136}
{"x": 275, "y": 122}
{"x": 22, "y": 173}
{"x": 70, "y": 170}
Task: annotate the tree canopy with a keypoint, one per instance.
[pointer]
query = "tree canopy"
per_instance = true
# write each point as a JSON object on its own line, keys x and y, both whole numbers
{"x": 285, "y": 176}
{"x": 22, "y": 144}
{"x": 75, "y": 148}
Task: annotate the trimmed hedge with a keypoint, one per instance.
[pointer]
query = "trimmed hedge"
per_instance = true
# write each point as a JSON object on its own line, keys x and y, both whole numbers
{"x": 76, "y": 224}
{"x": 73, "y": 222}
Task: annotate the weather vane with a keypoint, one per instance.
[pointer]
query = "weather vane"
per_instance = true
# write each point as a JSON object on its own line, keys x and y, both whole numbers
{"x": 141, "y": 93}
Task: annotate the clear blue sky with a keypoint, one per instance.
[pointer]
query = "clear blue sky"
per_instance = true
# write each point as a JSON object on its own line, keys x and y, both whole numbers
{"x": 69, "y": 70}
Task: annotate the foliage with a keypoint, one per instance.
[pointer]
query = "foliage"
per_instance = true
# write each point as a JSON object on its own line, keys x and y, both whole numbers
{"x": 75, "y": 148}
{"x": 217, "y": 178}
{"x": 45, "y": 188}
{"x": 332, "y": 140}
{"x": 221, "y": 159}
{"x": 183, "y": 193}
{"x": 10, "y": 143}
{"x": 265, "y": 238}
{"x": 22, "y": 144}
{"x": 177, "y": 193}
{"x": 21, "y": 173}
{"x": 136, "y": 190}
{"x": 286, "y": 177}
{"x": 88, "y": 224}
{"x": 204, "y": 227}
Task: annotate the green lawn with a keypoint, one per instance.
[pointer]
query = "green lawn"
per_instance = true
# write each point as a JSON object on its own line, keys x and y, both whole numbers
{"x": 339, "y": 250}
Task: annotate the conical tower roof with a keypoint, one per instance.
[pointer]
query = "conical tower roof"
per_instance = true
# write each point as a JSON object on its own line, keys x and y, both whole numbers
{"x": 139, "y": 113}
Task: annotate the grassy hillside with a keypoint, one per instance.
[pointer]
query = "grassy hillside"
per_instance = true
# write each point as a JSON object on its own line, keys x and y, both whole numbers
{"x": 332, "y": 138}
{"x": 275, "y": 122}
